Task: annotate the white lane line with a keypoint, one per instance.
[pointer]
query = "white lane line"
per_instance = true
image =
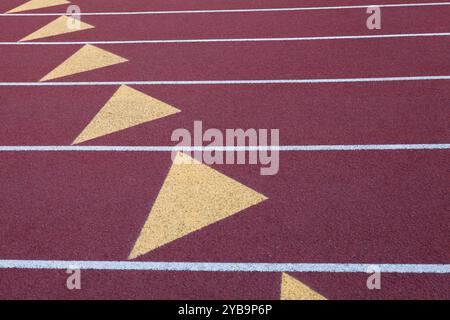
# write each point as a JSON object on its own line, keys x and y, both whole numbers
{"x": 222, "y": 267}
{"x": 366, "y": 147}
{"x": 429, "y": 4}
{"x": 162, "y": 41}
{"x": 221, "y": 82}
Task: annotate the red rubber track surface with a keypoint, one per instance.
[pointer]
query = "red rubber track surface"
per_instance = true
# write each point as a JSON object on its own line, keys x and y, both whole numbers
{"x": 323, "y": 207}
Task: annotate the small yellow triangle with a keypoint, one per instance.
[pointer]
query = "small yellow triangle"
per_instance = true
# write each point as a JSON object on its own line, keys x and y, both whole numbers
{"x": 88, "y": 58}
{"x": 126, "y": 108}
{"x": 292, "y": 289}
{"x": 59, "y": 26}
{"x": 37, "y": 4}
{"x": 192, "y": 197}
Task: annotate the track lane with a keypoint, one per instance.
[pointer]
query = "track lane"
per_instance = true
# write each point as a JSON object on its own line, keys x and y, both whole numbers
{"x": 380, "y": 113}
{"x": 238, "y": 25}
{"x": 50, "y": 284}
{"x": 124, "y": 5}
{"x": 324, "y": 207}
{"x": 245, "y": 61}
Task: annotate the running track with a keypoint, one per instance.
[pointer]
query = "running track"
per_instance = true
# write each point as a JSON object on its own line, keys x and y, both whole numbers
{"x": 334, "y": 207}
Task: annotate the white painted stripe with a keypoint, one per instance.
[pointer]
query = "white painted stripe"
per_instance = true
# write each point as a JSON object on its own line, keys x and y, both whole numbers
{"x": 366, "y": 147}
{"x": 222, "y": 267}
{"x": 378, "y": 36}
{"x": 234, "y": 10}
{"x": 221, "y": 82}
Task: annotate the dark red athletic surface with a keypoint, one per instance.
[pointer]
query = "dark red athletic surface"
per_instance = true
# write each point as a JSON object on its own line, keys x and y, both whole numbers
{"x": 124, "y": 5}
{"x": 337, "y": 207}
{"x": 236, "y": 25}
{"x": 224, "y": 61}
{"x": 324, "y": 207}
{"x": 376, "y": 113}
{"x": 203, "y": 285}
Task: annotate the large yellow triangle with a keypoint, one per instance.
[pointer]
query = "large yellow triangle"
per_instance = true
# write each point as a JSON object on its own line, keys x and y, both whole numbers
{"x": 192, "y": 197}
{"x": 126, "y": 108}
{"x": 59, "y": 26}
{"x": 88, "y": 58}
{"x": 292, "y": 289}
{"x": 37, "y": 4}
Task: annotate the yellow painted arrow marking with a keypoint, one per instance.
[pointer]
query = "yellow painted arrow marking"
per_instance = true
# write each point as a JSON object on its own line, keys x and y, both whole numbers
{"x": 88, "y": 58}
{"x": 293, "y": 289}
{"x": 126, "y": 108}
{"x": 192, "y": 197}
{"x": 59, "y": 26}
{"x": 37, "y": 4}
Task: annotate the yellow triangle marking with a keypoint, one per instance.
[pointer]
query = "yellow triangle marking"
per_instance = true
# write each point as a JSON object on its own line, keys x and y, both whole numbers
{"x": 292, "y": 289}
{"x": 37, "y": 4}
{"x": 126, "y": 108}
{"x": 59, "y": 26}
{"x": 88, "y": 58}
{"x": 192, "y": 197}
